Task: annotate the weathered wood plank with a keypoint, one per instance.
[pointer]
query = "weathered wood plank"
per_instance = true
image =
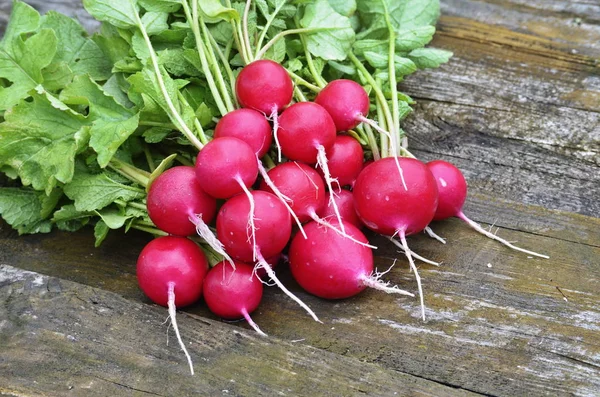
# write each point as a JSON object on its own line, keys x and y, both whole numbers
{"x": 76, "y": 340}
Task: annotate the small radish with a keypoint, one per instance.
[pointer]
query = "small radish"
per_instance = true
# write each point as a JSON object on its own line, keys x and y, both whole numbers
{"x": 306, "y": 132}
{"x": 170, "y": 271}
{"x": 175, "y": 197}
{"x": 265, "y": 86}
{"x": 333, "y": 267}
{"x": 452, "y": 188}
{"x": 302, "y": 185}
{"x": 305, "y": 189}
{"x": 346, "y": 101}
{"x": 233, "y": 294}
{"x": 345, "y": 160}
{"x": 226, "y": 166}
{"x": 273, "y": 228}
{"x": 248, "y": 125}
{"x": 388, "y": 207}
{"x": 345, "y": 203}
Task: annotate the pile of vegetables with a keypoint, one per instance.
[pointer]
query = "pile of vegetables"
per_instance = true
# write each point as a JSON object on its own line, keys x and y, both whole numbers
{"x": 237, "y": 132}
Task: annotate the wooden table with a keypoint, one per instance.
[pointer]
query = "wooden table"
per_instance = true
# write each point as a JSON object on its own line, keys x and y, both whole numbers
{"x": 518, "y": 109}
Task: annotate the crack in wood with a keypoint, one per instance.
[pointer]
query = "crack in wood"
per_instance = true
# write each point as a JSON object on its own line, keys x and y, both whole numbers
{"x": 128, "y": 387}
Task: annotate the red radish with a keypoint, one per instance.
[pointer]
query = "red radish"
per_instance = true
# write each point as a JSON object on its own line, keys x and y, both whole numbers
{"x": 248, "y": 125}
{"x": 345, "y": 159}
{"x": 307, "y": 131}
{"x": 226, "y": 166}
{"x": 264, "y": 85}
{"x": 389, "y": 208}
{"x": 345, "y": 203}
{"x": 170, "y": 271}
{"x": 273, "y": 228}
{"x": 233, "y": 294}
{"x": 303, "y": 128}
{"x": 175, "y": 197}
{"x": 305, "y": 189}
{"x": 346, "y": 101}
{"x": 452, "y": 188}
{"x": 333, "y": 267}
{"x": 302, "y": 185}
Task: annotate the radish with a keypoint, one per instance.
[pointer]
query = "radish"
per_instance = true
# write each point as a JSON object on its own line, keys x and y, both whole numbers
{"x": 391, "y": 209}
{"x": 226, "y": 166}
{"x": 248, "y": 125}
{"x": 306, "y": 132}
{"x": 177, "y": 205}
{"x": 265, "y": 86}
{"x": 345, "y": 203}
{"x": 273, "y": 228}
{"x": 331, "y": 266}
{"x": 233, "y": 294}
{"x": 346, "y": 101}
{"x": 452, "y": 188}
{"x": 306, "y": 190}
{"x": 345, "y": 160}
{"x": 170, "y": 271}
{"x": 175, "y": 197}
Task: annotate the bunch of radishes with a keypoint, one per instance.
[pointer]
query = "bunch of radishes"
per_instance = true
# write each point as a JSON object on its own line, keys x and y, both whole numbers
{"x": 321, "y": 184}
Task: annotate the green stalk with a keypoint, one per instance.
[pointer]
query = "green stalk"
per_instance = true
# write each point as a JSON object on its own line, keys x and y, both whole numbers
{"x": 149, "y": 158}
{"x": 263, "y": 34}
{"x": 216, "y": 68}
{"x": 192, "y": 18}
{"x": 225, "y": 63}
{"x": 279, "y": 35}
{"x": 372, "y": 142}
{"x": 309, "y": 60}
{"x": 299, "y": 80}
{"x": 246, "y": 36}
{"x": 157, "y": 124}
{"x": 197, "y": 124}
{"x": 384, "y": 141}
{"x": 299, "y": 94}
{"x": 151, "y": 230}
{"x": 161, "y": 83}
{"x": 183, "y": 160}
{"x": 394, "y": 128}
{"x": 130, "y": 172}
{"x": 268, "y": 161}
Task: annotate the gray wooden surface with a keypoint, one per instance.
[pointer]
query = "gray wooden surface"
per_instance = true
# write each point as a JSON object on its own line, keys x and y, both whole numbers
{"x": 518, "y": 110}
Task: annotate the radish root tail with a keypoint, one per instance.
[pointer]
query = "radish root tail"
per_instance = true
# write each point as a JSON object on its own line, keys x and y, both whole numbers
{"x": 172, "y": 313}
{"x": 252, "y": 323}
{"x": 481, "y": 230}
{"x": 432, "y": 234}
{"x": 251, "y": 229}
{"x": 322, "y": 162}
{"x": 323, "y": 222}
{"x": 407, "y": 252}
{"x": 262, "y": 263}
{"x": 274, "y": 117}
{"x": 284, "y": 199}
{"x": 413, "y": 253}
{"x": 204, "y": 231}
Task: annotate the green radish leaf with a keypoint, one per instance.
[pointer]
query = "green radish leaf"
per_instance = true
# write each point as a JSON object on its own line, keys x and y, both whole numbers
{"x": 377, "y": 46}
{"x": 67, "y": 218}
{"x": 410, "y": 39}
{"x": 156, "y": 134}
{"x": 120, "y": 13}
{"x": 429, "y": 57}
{"x": 22, "y": 65}
{"x": 403, "y": 66}
{"x": 170, "y": 6}
{"x": 40, "y": 139}
{"x": 23, "y": 19}
{"x": 213, "y": 11}
{"x": 343, "y": 7}
{"x": 112, "y": 123}
{"x": 337, "y": 36}
{"x": 406, "y": 14}
{"x": 26, "y": 210}
{"x": 100, "y": 232}
{"x": 95, "y": 191}
{"x": 166, "y": 163}
{"x": 113, "y": 218}
{"x": 155, "y": 22}
{"x": 81, "y": 54}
